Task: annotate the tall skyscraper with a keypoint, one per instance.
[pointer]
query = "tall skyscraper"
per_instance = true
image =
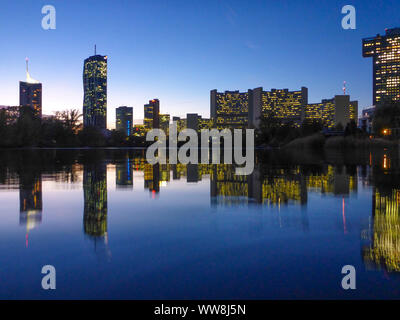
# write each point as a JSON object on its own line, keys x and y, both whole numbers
{"x": 30, "y": 93}
{"x": 95, "y": 92}
{"x": 124, "y": 119}
{"x": 385, "y": 51}
{"x": 152, "y": 114}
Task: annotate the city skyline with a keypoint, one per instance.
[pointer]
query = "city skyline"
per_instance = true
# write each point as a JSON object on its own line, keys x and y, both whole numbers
{"x": 138, "y": 74}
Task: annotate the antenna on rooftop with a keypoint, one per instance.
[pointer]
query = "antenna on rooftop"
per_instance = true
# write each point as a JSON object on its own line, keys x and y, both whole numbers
{"x": 344, "y": 87}
{"x": 95, "y": 49}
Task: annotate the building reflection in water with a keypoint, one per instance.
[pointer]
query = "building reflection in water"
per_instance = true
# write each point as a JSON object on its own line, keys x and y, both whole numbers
{"x": 382, "y": 250}
{"x": 152, "y": 178}
{"x": 278, "y": 186}
{"x": 95, "y": 202}
{"x": 124, "y": 174}
{"x": 271, "y": 185}
{"x": 30, "y": 200}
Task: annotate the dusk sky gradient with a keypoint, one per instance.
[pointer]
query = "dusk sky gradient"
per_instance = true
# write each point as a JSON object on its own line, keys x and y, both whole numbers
{"x": 177, "y": 51}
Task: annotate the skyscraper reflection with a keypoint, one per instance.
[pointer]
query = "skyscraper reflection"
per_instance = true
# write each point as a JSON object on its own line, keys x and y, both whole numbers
{"x": 95, "y": 198}
{"x": 30, "y": 199}
{"x": 124, "y": 174}
{"x": 152, "y": 178}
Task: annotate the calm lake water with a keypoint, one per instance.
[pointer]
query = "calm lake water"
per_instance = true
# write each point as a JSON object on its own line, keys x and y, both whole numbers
{"x": 115, "y": 227}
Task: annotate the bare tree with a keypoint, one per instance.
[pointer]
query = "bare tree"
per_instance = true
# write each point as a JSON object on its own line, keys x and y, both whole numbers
{"x": 70, "y": 118}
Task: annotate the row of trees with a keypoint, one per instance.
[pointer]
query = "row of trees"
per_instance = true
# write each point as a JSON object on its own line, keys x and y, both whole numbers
{"x": 387, "y": 116}
{"x": 64, "y": 129}
{"x": 274, "y": 132}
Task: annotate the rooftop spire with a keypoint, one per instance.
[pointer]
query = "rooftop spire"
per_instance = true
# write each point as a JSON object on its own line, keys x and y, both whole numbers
{"x": 28, "y": 76}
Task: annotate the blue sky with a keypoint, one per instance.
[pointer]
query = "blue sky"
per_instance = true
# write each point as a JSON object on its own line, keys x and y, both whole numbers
{"x": 178, "y": 51}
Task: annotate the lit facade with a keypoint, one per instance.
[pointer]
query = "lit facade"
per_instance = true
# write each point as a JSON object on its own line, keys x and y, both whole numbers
{"x": 124, "y": 119}
{"x": 152, "y": 114}
{"x": 385, "y": 51}
{"x": 95, "y": 92}
{"x": 30, "y": 94}
{"x": 241, "y": 110}
{"x": 284, "y": 105}
{"x": 204, "y": 123}
{"x": 332, "y": 112}
{"x": 229, "y": 109}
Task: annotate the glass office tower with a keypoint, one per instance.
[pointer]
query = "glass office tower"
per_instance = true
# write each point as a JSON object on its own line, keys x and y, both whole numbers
{"x": 95, "y": 92}
{"x": 124, "y": 119}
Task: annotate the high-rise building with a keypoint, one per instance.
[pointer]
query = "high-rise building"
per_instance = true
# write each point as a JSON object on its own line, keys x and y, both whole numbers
{"x": 287, "y": 106}
{"x": 30, "y": 93}
{"x": 385, "y": 51}
{"x": 152, "y": 114}
{"x": 229, "y": 109}
{"x": 124, "y": 119}
{"x": 95, "y": 92}
{"x": 332, "y": 112}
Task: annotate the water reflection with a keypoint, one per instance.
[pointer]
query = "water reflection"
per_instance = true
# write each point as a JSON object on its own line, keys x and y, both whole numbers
{"x": 279, "y": 180}
{"x": 382, "y": 250}
{"x": 124, "y": 173}
{"x": 95, "y": 199}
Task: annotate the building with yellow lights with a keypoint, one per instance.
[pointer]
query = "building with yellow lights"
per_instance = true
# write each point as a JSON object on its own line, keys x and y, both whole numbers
{"x": 282, "y": 104}
{"x": 229, "y": 109}
{"x": 152, "y": 114}
{"x": 241, "y": 110}
{"x": 30, "y": 93}
{"x": 95, "y": 92}
{"x": 332, "y": 112}
{"x": 385, "y": 51}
